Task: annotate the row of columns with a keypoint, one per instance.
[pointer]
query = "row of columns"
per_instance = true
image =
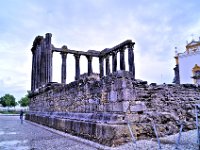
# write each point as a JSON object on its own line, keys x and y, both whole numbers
{"x": 42, "y": 62}
{"x": 101, "y": 63}
{"x": 114, "y": 61}
{"x": 77, "y": 66}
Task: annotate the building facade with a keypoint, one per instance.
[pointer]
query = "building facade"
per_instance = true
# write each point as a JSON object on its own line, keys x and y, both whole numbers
{"x": 187, "y": 69}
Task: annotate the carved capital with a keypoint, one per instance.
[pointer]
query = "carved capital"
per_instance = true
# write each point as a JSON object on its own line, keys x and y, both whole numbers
{"x": 63, "y": 54}
{"x": 77, "y": 56}
{"x": 64, "y": 48}
{"x": 114, "y": 53}
{"x": 121, "y": 51}
{"x": 89, "y": 58}
{"x": 131, "y": 45}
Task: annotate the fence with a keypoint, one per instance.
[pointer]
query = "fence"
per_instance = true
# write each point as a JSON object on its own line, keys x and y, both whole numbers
{"x": 153, "y": 124}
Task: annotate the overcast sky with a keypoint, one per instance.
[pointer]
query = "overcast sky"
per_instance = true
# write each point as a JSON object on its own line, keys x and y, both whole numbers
{"x": 156, "y": 26}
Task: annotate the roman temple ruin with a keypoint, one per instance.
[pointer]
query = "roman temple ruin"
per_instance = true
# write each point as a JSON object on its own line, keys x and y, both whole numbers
{"x": 102, "y": 106}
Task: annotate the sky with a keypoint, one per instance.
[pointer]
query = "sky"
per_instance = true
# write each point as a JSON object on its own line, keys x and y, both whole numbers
{"x": 155, "y": 26}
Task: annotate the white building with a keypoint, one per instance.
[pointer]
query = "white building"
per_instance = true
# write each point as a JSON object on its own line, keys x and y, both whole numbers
{"x": 187, "y": 68}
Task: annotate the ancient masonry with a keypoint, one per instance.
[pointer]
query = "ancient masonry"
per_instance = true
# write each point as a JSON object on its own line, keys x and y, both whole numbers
{"x": 99, "y": 106}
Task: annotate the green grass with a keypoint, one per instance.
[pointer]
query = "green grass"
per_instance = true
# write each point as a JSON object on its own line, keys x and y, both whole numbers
{"x": 9, "y": 112}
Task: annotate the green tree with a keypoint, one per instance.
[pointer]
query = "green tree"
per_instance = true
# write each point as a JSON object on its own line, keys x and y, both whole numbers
{"x": 24, "y": 101}
{"x": 8, "y": 100}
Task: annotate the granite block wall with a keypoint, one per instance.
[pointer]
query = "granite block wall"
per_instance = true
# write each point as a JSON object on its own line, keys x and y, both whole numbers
{"x": 99, "y": 110}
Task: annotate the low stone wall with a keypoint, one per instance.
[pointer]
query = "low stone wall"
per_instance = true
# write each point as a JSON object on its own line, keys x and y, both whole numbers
{"x": 100, "y": 109}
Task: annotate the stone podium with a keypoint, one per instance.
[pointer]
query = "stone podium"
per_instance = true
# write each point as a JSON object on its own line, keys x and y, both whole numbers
{"x": 98, "y": 106}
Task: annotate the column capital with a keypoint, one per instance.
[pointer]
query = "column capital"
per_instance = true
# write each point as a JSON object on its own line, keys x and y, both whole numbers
{"x": 64, "y": 48}
{"x": 63, "y": 53}
{"x": 131, "y": 45}
{"x": 77, "y": 56}
{"x": 107, "y": 56}
{"x": 122, "y": 49}
{"x": 48, "y": 35}
{"x": 114, "y": 52}
{"x": 89, "y": 58}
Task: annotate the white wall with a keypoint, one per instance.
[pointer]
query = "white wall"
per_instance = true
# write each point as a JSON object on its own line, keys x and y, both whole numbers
{"x": 186, "y": 63}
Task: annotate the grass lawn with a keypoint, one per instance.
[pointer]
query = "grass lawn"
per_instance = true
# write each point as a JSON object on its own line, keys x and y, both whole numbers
{"x": 9, "y": 112}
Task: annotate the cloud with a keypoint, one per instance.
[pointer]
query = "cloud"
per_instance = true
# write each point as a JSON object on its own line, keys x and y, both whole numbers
{"x": 156, "y": 27}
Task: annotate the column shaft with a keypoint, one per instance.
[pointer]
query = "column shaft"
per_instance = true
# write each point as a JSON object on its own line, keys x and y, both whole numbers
{"x": 90, "y": 70}
{"x": 114, "y": 62}
{"x": 101, "y": 66}
{"x": 38, "y": 58}
{"x": 42, "y": 64}
{"x": 63, "y": 68}
{"x": 36, "y": 70}
{"x": 33, "y": 75}
{"x": 49, "y": 53}
{"x": 131, "y": 60}
{"x": 122, "y": 61}
{"x": 77, "y": 66}
{"x": 107, "y": 65}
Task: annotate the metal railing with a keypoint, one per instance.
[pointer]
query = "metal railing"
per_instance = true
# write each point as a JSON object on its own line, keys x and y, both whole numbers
{"x": 197, "y": 112}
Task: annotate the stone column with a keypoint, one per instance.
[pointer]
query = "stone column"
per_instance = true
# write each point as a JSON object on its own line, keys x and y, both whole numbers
{"x": 122, "y": 61}
{"x": 107, "y": 65}
{"x": 43, "y": 66}
{"x": 63, "y": 67}
{"x": 38, "y": 60}
{"x": 36, "y": 69}
{"x": 90, "y": 70}
{"x": 49, "y": 53}
{"x": 77, "y": 66}
{"x": 33, "y": 73}
{"x": 114, "y": 61}
{"x": 101, "y": 66}
{"x": 131, "y": 59}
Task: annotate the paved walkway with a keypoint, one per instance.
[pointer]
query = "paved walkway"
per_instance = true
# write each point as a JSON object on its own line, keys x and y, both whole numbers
{"x": 31, "y": 136}
{"x": 27, "y": 136}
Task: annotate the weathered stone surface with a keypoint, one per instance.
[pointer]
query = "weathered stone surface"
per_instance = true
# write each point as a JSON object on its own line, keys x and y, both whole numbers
{"x": 139, "y": 107}
{"x": 82, "y": 107}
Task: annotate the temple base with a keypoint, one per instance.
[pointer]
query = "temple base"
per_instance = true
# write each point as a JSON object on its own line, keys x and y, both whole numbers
{"x": 112, "y": 133}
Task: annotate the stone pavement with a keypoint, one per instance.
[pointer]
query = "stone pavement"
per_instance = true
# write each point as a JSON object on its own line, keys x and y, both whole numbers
{"x": 27, "y": 136}
{"x": 31, "y": 136}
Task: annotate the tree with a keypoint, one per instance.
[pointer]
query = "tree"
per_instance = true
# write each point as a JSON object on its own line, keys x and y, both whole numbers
{"x": 8, "y": 100}
{"x": 24, "y": 101}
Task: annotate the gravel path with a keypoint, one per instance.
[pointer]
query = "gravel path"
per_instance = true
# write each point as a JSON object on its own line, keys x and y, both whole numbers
{"x": 30, "y": 136}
